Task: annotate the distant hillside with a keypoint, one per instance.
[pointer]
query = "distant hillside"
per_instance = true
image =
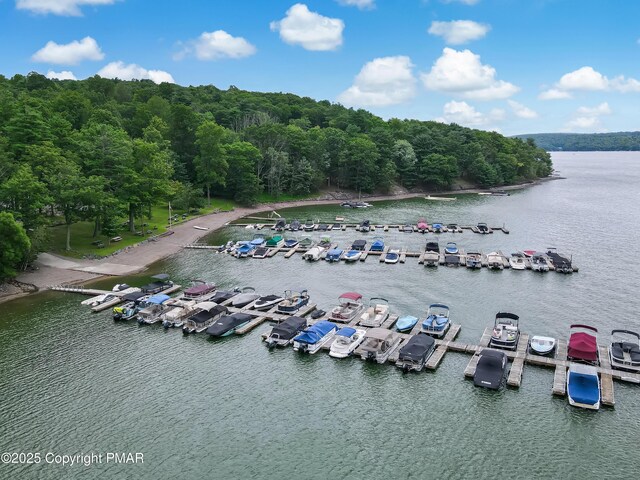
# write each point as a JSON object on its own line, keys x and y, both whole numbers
{"x": 586, "y": 141}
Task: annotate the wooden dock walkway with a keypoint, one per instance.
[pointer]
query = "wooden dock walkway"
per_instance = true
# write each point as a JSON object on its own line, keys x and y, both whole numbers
{"x": 560, "y": 374}
{"x": 443, "y": 345}
{"x": 515, "y": 373}
{"x": 606, "y": 379}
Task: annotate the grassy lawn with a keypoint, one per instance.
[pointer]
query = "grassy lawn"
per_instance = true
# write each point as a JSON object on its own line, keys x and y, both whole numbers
{"x": 82, "y": 232}
{"x": 266, "y": 198}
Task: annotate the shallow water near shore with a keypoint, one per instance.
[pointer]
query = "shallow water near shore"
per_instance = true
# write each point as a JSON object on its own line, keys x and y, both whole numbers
{"x": 75, "y": 382}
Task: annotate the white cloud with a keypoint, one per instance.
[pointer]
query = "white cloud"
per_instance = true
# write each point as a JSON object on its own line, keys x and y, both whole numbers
{"x": 70, "y": 53}
{"x": 361, "y": 4}
{"x": 521, "y": 111}
{"x": 462, "y": 73}
{"x": 58, "y": 7}
{"x": 133, "y": 71}
{"x": 602, "y": 109}
{"x": 309, "y": 29}
{"x": 554, "y": 94}
{"x": 464, "y": 114}
{"x": 381, "y": 82}
{"x": 588, "y": 118}
{"x": 457, "y": 32}
{"x": 63, "y": 75}
{"x": 583, "y": 123}
{"x": 217, "y": 45}
{"x": 466, "y": 2}
{"x": 589, "y": 79}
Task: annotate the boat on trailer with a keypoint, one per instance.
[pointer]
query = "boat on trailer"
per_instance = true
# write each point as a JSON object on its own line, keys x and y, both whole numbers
{"x": 378, "y": 344}
{"x": 376, "y": 313}
{"x": 506, "y": 331}
{"x": 228, "y": 324}
{"x": 583, "y": 386}
{"x": 282, "y": 334}
{"x": 314, "y": 337}
{"x": 346, "y": 340}
{"x": 349, "y": 306}
{"x": 437, "y": 322}
{"x": 294, "y": 300}
{"x": 491, "y": 369}
{"x": 414, "y": 354}
{"x": 624, "y": 350}
{"x": 583, "y": 344}
{"x": 540, "y": 345}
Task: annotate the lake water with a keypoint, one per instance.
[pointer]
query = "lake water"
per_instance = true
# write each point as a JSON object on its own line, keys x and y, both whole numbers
{"x": 74, "y": 382}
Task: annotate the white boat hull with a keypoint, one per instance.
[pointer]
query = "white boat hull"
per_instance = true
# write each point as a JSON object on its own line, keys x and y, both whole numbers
{"x": 312, "y": 349}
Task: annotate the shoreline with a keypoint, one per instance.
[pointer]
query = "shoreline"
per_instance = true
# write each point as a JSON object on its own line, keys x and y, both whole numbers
{"x": 55, "y": 270}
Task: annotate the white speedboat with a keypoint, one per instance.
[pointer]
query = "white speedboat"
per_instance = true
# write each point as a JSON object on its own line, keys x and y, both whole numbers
{"x": 314, "y": 253}
{"x": 494, "y": 261}
{"x": 517, "y": 262}
{"x": 540, "y": 345}
{"x": 392, "y": 256}
{"x": 267, "y": 301}
{"x": 352, "y": 256}
{"x": 347, "y": 339}
{"x": 376, "y": 314}
{"x": 539, "y": 263}
{"x": 378, "y": 344}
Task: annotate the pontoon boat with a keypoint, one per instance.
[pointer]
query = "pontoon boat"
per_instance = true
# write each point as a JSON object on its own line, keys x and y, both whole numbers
{"x": 282, "y": 334}
{"x": 225, "y": 326}
{"x": 491, "y": 369}
{"x": 376, "y": 314}
{"x": 414, "y": 354}
{"x": 437, "y": 322}
{"x": 314, "y": 337}
{"x": 350, "y": 305}
{"x": 378, "y": 344}
{"x": 293, "y": 301}
{"x": 506, "y": 331}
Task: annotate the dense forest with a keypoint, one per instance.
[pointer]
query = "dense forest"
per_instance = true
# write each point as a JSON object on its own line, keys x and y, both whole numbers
{"x": 586, "y": 142}
{"x": 101, "y": 150}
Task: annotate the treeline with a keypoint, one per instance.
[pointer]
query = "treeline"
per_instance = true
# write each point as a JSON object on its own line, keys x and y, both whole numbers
{"x": 100, "y": 149}
{"x": 586, "y": 142}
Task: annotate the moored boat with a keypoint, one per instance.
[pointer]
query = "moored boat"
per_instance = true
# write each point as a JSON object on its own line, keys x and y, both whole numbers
{"x": 375, "y": 314}
{"x": 205, "y": 313}
{"x": 260, "y": 252}
{"x": 451, "y": 248}
{"x": 153, "y": 308}
{"x": 392, "y": 256}
{"x": 583, "y": 344}
{"x": 583, "y": 386}
{"x": 491, "y": 369}
{"x": 431, "y": 254}
{"x": 415, "y": 352}
{"x": 438, "y": 228}
{"x": 275, "y": 242}
{"x": 334, "y": 255}
{"x": 309, "y": 225}
{"x": 266, "y": 302}
{"x": 423, "y": 226}
{"x": 624, "y": 350}
{"x": 294, "y": 225}
{"x": 483, "y": 228}
{"x": 540, "y": 345}
{"x": 314, "y": 253}
{"x": 437, "y": 323}
{"x": 365, "y": 226}
{"x": 561, "y": 263}
{"x": 506, "y": 331}
{"x": 245, "y": 297}
{"x": 282, "y": 334}
{"x": 349, "y": 306}
{"x": 228, "y": 324}
{"x": 377, "y": 245}
{"x": 280, "y": 225}
{"x": 291, "y": 242}
{"x": 494, "y": 261}
{"x": 133, "y": 302}
{"x": 517, "y": 261}
{"x": 352, "y": 255}
{"x": 161, "y": 282}
{"x": 199, "y": 291}
{"x": 539, "y": 262}
{"x": 359, "y": 245}
{"x": 474, "y": 260}
{"x": 294, "y": 300}
{"x": 406, "y": 323}
{"x": 378, "y": 344}
{"x": 346, "y": 340}
{"x": 314, "y": 337}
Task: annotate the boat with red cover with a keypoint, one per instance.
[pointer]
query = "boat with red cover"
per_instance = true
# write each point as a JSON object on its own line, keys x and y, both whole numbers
{"x": 423, "y": 226}
{"x": 583, "y": 344}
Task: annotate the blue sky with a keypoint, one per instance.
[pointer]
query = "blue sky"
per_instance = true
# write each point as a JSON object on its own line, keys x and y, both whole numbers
{"x": 510, "y": 65}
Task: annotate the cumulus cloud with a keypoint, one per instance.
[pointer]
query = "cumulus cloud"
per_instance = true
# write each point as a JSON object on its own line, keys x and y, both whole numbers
{"x": 464, "y": 114}
{"x": 63, "y": 75}
{"x": 361, "y": 4}
{"x": 58, "y": 7}
{"x": 217, "y": 45}
{"x": 462, "y": 73}
{"x": 70, "y": 53}
{"x": 382, "y": 82}
{"x": 132, "y": 71}
{"x": 458, "y": 32}
{"x": 309, "y": 29}
{"x": 589, "y": 79}
{"x": 466, "y": 2}
{"x": 521, "y": 111}
{"x": 588, "y": 118}
{"x": 602, "y": 109}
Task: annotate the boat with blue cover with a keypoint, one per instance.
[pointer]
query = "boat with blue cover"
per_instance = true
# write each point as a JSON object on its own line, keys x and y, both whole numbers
{"x": 352, "y": 255}
{"x": 451, "y": 248}
{"x": 244, "y": 250}
{"x": 437, "y": 322}
{"x": 406, "y": 323}
{"x": 291, "y": 242}
{"x": 583, "y": 386}
{"x": 377, "y": 245}
{"x": 314, "y": 337}
{"x": 347, "y": 339}
{"x": 437, "y": 228}
{"x": 153, "y": 308}
{"x": 334, "y": 255}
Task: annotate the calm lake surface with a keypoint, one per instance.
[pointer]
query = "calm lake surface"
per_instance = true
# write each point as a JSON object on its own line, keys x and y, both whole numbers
{"x": 74, "y": 382}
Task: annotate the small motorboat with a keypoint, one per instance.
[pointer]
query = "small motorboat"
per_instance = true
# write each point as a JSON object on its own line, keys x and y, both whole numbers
{"x": 352, "y": 255}
{"x": 359, "y": 245}
{"x": 280, "y": 225}
{"x": 222, "y": 296}
{"x": 506, "y": 331}
{"x": 454, "y": 228}
{"x": 317, "y": 313}
{"x": 438, "y": 228}
{"x": 583, "y": 344}
{"x": 392, "y": 256}
{"x": 624, "y": 351}
{"x": 365, "y": 226}
{"x": 160, "y": 283}
{"x": 282, "y": 334}
{"x": 314, "y": 253}
{"x": 408, "y": 228}
{"x": 336, "y": 226}
{"x": 414, "y": 354}
{"x": 437, "y": 323}
{"x": 258, "y": 240}
{"x": 260, "y": 252}
{"x": 451, "y": 248}
{"x": 491, "y": 369}
{"x": 348, "y": 204}
{"x": 431, "y": 254}
{"x": 529, "y": 253}
{"x": 561, "y": 263}
{"x": 540, "y": 345}
{"x": 309, "y": 225}
{"x": 323, "y": 227}
{"x": 362, "y": 205}
{"x": 349, "y": 306}
{"x": 378, "y": 344}
{"x": 474, "y": 260}
{"x": 152, "y": 309}
{"x": 377, "y": 245}
{"x": 275, "y": 242}
{"x": 245, "y": 297}
{"x": 314, "y": 337}
{"x": 228, "y": 324}
{"x": 583, "y": 386}
{"x": 483, "y": 228}
{"x": 346, "y": 340}
{"x": 406, "y": 323}
{"x": 133, "y": 302}
{"x": 294, "y": 300}
{"x": 294, "y": 225}
{"x": 99, "y": 299}
{"x": 423, "y": 226}
{"x": 245, "y": 250}
{"x": 206, "y": 313}
{"x": 290, "y": 243}
{"x": 376, "y": 314}
{"x": 517, "y": 261}
{"x": 325, "y": 242}
{"x": 334, "y": 255}
{"x": 306, "y": 243}
{"x": 266, "y": 302}
{"x": 494, "y": 261}
{"x": 539, "y": 262}
{"x": 199, "y": 291}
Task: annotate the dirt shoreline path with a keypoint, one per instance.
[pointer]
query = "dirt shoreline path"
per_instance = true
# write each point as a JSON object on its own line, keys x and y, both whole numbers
{"x": 56, "y": 270}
